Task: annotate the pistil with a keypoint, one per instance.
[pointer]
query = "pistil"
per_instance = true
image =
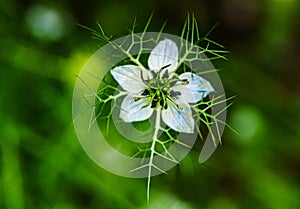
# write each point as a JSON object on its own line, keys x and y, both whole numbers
{"x": 159, "y": 89}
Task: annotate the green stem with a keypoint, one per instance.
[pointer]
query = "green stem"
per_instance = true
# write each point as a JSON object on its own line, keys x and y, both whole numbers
{"x": 155, "y": 139}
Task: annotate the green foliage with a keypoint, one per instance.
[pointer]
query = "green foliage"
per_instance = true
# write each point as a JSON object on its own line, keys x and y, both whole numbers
{"x": 42, "y": 163}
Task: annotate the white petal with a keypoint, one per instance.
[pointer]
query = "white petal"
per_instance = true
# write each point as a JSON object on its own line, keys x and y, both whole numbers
{"x": 180, "y": 120}
{"x": 195, "y": 90}
{"x": 132, "y": 110}
{"x": 147, "y": 75}
{"x": 165, "y": 53}
{"x": 129, "y": 78}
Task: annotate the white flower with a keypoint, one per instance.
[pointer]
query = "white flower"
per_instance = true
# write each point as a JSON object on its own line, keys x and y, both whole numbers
{"x": 161, "y": 87}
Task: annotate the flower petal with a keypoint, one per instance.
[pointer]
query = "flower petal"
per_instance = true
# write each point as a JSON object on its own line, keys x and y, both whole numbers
{"x": 180, "y": 120}
{"x": 164, "y": 55}
{"x": 147, "y": 75}
{"x": 196, "y": 89}
{"x": 129, "y": 78}
{"x": 132, "y": 110}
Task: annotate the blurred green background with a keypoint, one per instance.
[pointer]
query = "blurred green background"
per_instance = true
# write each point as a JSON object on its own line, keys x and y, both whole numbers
{"x": 42, "y": 49}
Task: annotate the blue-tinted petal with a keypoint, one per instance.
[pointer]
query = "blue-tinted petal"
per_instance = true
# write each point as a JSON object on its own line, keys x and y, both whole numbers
{"x": 129, "y": 78}
{"x": 164, "y": 56}
{"x": 195, "y": 90}
{"x": 135, "y": 110}
{"x": 178, "y": 117}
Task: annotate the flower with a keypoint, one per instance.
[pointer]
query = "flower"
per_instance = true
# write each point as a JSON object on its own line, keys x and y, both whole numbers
{"x": 160, "y": 87}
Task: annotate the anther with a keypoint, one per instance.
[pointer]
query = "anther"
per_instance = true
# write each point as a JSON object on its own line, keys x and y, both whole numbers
{"x": 185, "y": 82}
{"x": 165, "y": 66}
{"x": 161, "y": 102}
{"x": 151, "y": 82}
{"x": 165, "y": 89}
{"x": 166, "y": 106}
{"x": 136, "y": 99}
{"x": 179, "y": 107}
{"x": 146, "y": 93}
{"x": 173, "y": 83}
{"x": 153, "y": 104}
{"x": 154, "y": 74}
{"x": 175, "y": 93}
{"x": 166, "y": 74}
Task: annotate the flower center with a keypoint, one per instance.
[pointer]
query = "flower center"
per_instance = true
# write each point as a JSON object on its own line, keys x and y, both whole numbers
{"x": 159, "y": 90}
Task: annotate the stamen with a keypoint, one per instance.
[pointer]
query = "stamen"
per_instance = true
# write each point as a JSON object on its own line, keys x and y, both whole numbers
{"x": 153, "y": 104}
{"x": 165, "y": 89}
{"x": 164, "y": 67}
{"x": 175, "y": 93}
{"x": 152, "y": 83}
{"x": 185, "y": 82}
{"x": 173, "y": 83}
{"x": 179, "y": 107}
{"x": 161, "y": 102}
{"x": 146, "y": 93}
{"x": 154, "y": 74}
{"x": 137, "y": 99}
{"x": 166, "y": 74}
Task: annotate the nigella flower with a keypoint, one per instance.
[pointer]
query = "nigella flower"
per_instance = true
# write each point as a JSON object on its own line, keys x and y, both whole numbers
{"x": 161, "y": 88}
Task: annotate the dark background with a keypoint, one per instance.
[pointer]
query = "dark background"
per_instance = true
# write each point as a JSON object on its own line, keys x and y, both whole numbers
{"x": 42, "y": 49}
